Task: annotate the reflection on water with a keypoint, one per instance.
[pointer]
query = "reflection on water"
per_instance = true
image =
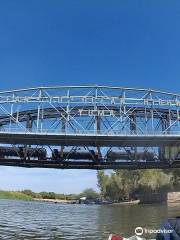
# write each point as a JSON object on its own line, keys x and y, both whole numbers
{"x": 35, "y": 220}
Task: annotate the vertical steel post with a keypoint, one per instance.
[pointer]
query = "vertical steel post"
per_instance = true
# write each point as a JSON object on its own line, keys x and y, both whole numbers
{"x": 63, "y": 130}
{"x": 98, "y": 131}
{"x": 133, "y": 130}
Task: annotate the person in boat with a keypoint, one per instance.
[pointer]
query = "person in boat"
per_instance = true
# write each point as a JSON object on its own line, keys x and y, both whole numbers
{"x": 174, "y": 226}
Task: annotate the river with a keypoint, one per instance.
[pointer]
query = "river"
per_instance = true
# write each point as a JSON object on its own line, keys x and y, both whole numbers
{"x": 39, "y": 220}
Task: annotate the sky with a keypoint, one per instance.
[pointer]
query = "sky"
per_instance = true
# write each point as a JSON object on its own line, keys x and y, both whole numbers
{"x": 131, "y": 43}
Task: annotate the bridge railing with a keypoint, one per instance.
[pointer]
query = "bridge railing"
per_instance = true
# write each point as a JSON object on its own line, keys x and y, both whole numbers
{"x": 87, "y": 132}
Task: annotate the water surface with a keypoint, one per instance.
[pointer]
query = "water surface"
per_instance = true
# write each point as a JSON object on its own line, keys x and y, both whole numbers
{"x": 37, "y": 220}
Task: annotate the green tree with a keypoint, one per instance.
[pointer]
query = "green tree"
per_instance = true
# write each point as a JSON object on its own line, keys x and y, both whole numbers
{"x": 128, "y": 181}
{"x": 125, "y": 184}
{"x": 114, "y": 188}
{"x": 89, "y": 193}
{"x": 103, "y": 180}
{"x": 48, "y": 195}
{"x": 29, "y": 193}
{"x": 154, "y": 179}
{"x": 175, "y": 178}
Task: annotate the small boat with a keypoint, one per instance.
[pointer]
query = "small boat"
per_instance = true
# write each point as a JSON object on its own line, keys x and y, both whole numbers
{"x": 133, "y": 202}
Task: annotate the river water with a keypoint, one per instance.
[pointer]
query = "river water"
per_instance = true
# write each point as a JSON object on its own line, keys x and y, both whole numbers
{"x": 39, "y": 220}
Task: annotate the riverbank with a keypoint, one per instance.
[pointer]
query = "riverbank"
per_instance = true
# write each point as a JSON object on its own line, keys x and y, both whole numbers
{"x": 27, "y": 195}
{"x": 55, "y": 200}
{"x": 15, "y": 196}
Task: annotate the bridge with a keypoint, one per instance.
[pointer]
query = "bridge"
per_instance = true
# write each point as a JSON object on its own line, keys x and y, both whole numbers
{"x": 90, "y": 127}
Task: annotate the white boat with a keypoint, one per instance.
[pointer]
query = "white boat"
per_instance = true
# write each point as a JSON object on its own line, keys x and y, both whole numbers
{"x": 133, "y": 202}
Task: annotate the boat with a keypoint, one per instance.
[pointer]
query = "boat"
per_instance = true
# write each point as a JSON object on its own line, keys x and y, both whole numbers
{"x": 133, "y": 202}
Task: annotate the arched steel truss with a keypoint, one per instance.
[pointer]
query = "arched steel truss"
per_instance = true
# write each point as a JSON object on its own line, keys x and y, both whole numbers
{"x": 89, "y": 127}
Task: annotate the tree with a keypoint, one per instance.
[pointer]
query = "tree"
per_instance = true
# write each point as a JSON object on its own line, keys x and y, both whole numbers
{"x": 89, "y": 193}
{"x": 154, "y": 179}
{"x": 29, "y": 193}
{"x": 125, "y": 184}
{"x": 103, "y": 180}
{"x": 175, "y": 178}
{"x": 114, "y": 188}
{"x": 129, "y": 181}
{"x": 48, "y": 195}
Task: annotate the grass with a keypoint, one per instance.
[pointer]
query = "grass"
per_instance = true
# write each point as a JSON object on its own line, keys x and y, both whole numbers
{"x": 15, "y": 195}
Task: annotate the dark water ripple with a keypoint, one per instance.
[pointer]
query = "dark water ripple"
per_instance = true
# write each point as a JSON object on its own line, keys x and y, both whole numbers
{"x": 41, "y": 221}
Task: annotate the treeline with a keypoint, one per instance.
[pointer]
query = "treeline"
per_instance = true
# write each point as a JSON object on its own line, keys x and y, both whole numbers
{"x": 116, "y": 186}
{"x": 49, "y": 195}
{"x": 125, "y": 185}
{"x": 28, "y": 195}
{"x": 88, "y": 193}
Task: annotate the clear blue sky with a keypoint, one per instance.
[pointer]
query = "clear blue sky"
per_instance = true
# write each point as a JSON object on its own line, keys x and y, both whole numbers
{"x": 119, "y": 42}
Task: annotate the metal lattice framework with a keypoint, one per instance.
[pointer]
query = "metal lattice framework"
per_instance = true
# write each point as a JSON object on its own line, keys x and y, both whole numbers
{"x": 89, "y": 127}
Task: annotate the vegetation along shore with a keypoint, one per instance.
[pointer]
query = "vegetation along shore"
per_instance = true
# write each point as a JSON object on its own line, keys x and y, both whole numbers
{"x": 118, "y": 186}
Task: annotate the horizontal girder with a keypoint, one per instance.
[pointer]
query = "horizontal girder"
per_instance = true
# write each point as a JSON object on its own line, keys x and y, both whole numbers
{"x": 51, "y": 113}
{"x": 87, "y": 165}
{"x": 89, "y": 139}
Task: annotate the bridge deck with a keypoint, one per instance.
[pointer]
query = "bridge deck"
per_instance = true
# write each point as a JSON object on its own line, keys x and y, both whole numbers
{"x": 87, "y": 165}
{"x": 54, "y": 139}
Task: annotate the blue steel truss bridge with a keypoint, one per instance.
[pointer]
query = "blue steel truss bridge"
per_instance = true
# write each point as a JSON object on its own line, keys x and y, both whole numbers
{"x": 90, "y": 127}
